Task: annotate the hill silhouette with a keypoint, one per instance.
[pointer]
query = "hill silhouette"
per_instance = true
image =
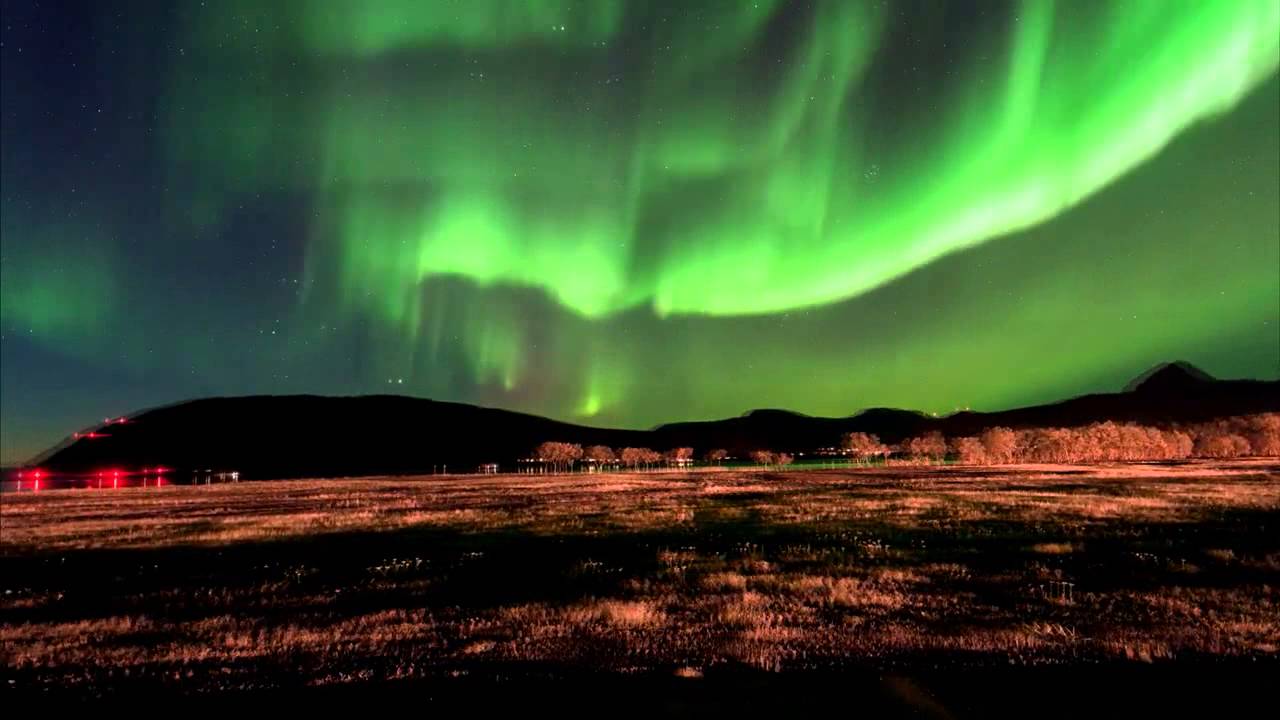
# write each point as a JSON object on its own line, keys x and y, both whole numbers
{"x": 313, "y": 436}
{"x": 1178, "y": 376}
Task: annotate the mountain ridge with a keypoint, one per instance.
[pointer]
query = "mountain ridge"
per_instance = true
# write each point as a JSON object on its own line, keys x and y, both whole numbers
{"x": 275, "y": 436}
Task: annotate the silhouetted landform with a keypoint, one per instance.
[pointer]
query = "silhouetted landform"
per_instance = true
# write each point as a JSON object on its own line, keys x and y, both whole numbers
{"x": 1176, "y": 376}
{"x": 312, "y": 436}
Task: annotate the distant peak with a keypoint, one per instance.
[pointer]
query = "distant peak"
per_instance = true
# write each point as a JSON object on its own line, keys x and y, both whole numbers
{"x": 1169, "y": 376}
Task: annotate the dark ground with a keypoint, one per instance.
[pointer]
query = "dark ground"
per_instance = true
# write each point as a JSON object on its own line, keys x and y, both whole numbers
{"x": 527, "y": 604}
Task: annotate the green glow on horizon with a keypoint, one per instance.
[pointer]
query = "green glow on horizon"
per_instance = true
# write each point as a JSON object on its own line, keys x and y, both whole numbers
{"x": 56, "y": 281}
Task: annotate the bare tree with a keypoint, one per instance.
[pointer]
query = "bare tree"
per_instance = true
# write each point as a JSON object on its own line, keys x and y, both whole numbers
{"x": 638, "y": 457}
{"x": 1181, "y": 444}
{"x": 1224, "y": 445}
{"x": 1001, "y": 444}
{"x": 572, "y": 453}
{"x": 969, "y": 450}
{"x": 560, "y": 455}
{"x": 548, "y": 453}
{"x": 864, "y": 445}
{"x": 762, "y": 457}
{"x": 632, "y": 457}
{"x": 782, "y": 459}
{"x": 678, "y": 456}
{"x": 930, "y": 446}
{"x": 1047, "y": 445}
{"x": 1110, "y": 441}
{"x": 652, "y": 457}
{"x": 601, "y": 455}
{"x": 717, "y": 456}
{"x": 1263, "y": 433}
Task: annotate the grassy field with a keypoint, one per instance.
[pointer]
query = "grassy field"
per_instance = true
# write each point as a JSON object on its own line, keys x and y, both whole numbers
{"x": 896, "y": 578}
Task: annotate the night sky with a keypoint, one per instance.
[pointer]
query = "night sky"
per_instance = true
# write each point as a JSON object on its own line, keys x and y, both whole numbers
{"x": 621, "y": 213}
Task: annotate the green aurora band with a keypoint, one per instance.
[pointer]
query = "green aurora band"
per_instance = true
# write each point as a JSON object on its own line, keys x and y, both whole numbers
{"x": 699, "y": 183}
{"x": 741, "y": 160}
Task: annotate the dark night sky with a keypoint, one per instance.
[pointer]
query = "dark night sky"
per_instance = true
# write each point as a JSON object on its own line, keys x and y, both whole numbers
{"x": 623, "y": 213}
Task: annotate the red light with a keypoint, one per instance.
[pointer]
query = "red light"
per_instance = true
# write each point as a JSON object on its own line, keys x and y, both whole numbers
{"x": 162, "y": 469}
{"x": 37, "y": 474}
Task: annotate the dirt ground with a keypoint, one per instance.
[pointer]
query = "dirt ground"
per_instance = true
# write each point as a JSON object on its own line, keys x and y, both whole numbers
{"x": 899, "y": 581}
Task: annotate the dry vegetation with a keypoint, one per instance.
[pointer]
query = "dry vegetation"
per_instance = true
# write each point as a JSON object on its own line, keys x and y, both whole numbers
{"x": 322, "y": 582}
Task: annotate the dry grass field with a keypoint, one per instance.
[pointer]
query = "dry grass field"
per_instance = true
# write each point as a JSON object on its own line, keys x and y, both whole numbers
{"x": 902, "y": 572}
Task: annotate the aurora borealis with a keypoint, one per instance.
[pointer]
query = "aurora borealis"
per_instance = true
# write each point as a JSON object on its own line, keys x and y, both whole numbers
{"x": 625, "y": 213}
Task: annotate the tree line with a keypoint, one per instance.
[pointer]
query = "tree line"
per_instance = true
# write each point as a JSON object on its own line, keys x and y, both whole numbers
{"x": 1247, "y": 435}
{"x": 563, "y": 456}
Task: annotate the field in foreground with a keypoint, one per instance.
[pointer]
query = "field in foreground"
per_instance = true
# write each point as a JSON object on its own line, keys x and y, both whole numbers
{"x": 907, "y": 580}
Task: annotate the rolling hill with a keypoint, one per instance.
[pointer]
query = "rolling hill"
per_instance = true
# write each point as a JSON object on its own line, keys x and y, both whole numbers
{"x": 306, "y": 435}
